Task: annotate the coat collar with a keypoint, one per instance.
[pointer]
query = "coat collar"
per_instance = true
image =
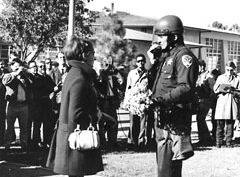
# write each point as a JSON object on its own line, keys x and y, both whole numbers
{"x": 84, "y": 67}
{"x": 173, "y": 50}
{"x": 176, "y": 48}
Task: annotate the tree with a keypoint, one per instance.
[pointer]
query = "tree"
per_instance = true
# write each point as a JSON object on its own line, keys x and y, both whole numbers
{"x": 235, "y": 28}
{"x": 219, "y": 25}
{"x": 32, "y": 25}
{"x": 111, "y": 46}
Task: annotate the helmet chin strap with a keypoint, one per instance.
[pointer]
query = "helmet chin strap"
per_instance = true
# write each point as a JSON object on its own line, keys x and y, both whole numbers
{"x": 171, "y": 44}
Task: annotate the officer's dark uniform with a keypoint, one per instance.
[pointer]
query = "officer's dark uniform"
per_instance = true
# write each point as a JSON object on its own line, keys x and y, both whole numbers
{"x": 174, "y": 86}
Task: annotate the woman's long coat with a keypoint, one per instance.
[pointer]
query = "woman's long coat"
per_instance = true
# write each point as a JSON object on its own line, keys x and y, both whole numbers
{"x": 227, "y": 104}
{"x": 78, "y": 102}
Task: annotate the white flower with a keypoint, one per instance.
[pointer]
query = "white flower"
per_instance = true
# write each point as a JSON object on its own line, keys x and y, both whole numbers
{"x": 138, "y": 98}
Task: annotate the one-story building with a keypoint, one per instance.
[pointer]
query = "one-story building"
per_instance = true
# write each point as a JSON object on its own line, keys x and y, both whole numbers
{"x": 215, "y": 46}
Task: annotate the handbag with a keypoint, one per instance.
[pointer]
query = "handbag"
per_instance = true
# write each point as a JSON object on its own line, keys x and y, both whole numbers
{"x": 83, "y": 140}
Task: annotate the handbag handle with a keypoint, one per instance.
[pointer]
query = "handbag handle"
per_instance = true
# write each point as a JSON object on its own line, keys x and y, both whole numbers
{"x": 90, "y": 127}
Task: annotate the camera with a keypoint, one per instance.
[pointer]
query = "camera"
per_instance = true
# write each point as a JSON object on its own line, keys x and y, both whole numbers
{"x": 110, "y": 70}
{"x": 21, "y": 71}
{"x": 157, "y": 52}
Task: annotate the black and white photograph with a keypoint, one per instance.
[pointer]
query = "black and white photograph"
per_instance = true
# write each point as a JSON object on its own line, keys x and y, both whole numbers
{"x": 119, "y": 88}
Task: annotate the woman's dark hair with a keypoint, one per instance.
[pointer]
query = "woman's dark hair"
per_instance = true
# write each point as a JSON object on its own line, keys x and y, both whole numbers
{"x": 76, "y": 48}
{"x": 87, "y": 47}
{"x": 73, "y": 49}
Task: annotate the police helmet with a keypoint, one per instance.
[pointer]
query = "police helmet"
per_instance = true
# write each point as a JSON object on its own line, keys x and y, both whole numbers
{"x": 169, "y": 25}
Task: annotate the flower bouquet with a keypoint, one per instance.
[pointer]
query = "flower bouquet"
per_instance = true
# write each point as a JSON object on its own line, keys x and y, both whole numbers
{"x": 137, "y": 98}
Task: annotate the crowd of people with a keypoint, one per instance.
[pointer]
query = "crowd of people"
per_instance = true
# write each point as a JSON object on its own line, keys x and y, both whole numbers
{"x": 56, "y": 96}
{"x": 220, "y": 93}
{"x": 30, "y": 93}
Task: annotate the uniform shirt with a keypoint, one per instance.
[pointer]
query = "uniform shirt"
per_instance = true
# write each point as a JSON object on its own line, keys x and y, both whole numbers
{"x": 176, "y": 78}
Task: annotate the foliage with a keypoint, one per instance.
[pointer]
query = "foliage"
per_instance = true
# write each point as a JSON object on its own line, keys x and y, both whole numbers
{"x": 111, "y": 44}
{"x": 219, "y": 25}
{"x": 32, "y": 25}
{"x": 235, "y": 28}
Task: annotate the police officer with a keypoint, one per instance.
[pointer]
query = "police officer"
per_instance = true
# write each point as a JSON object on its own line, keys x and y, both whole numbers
{"x": 173, "y": 92}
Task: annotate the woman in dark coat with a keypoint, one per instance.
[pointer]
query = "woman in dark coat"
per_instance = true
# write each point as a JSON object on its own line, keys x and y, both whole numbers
{"x": 78, "y": 102}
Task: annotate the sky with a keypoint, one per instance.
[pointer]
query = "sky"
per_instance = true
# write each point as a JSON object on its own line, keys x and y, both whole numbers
{"x": 199, "y": 13}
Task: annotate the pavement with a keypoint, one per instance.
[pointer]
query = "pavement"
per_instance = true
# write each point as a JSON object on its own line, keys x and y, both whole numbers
{"x": 17, "y": 163}
{"x": 8, "y": 169}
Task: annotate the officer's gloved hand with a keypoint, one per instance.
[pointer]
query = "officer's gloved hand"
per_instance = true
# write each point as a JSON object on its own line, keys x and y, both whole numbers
{"x": 154, "y": 52}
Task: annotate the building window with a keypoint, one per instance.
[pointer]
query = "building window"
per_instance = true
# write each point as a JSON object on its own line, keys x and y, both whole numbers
{"x": 234, "y": 53}
{"x": 4, "y": 51}
{"x": 49, "y": 53}
{"x": 214, "y": 54}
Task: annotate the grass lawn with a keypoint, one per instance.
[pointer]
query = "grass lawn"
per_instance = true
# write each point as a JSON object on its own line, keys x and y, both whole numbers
{"x": 207, "y": 162}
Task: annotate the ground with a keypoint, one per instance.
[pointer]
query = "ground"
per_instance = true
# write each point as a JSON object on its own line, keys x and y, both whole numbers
{"x": 207, "y": 162}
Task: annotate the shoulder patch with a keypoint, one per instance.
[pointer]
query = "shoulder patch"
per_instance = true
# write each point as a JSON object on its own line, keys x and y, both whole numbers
{"x": 187, "y": 60}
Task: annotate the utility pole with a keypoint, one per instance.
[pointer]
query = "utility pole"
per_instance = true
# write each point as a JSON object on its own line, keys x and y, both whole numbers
{"x": 71, "y": 18}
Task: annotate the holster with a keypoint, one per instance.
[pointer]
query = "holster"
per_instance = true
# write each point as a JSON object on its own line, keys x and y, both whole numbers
{"x": 174, "y": 119}
{"x": 160, "y": 114}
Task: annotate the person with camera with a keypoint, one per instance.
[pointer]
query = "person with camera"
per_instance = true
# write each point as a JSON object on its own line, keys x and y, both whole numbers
{"x": 172, "y": 94}
{"x": 58, "y": 75}
{"x": 109, "y": 84}
{"x": 18, "y": 95}
{"x": 204, "y": 91}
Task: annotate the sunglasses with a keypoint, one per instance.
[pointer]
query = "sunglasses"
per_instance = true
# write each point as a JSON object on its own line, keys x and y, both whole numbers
{"x": 138, "y": 61}
{"x": 229, "y": 69}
